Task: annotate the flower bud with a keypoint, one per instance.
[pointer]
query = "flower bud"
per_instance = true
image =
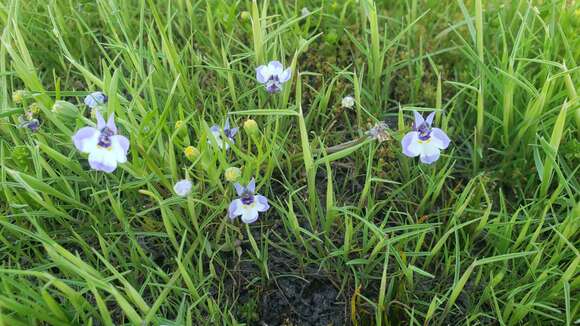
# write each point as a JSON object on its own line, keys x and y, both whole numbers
{"x": 63, "y": 108}
{"x": 18, "y": 96}
{"x": 348, "y": 102}
{"x": 191, "y": 152}
{"x": 178, "y": 124}
{"x": 251, "y": 127}
{"x": 232, "y": 174}
{"x": 183, "y": 188}
{"x": 245, "y": 15}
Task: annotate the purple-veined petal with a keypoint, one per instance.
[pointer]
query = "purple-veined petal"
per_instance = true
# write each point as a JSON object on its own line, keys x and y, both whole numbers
{"x": 215, "y": 129}
{"x": 239, "y": 189}
{"x": 100, "y": 120}
{"x": 441, "y": 137}
{"x": 233, "y": 132}
{"x": 85, "y": 139}
{"x": 111, "y": 123}
{"x": 252, "y": 185}
{"x": 418, "y": 119}
{"x": 249, "y": 214}
{"x": 275, "y": 67}
{"x": 235, "y": 209}
{"x": 410, "y": 145}
{"x": 273, "y": 87}
{"x": 429, "y": 119}
{"x": 95, "y": 99}
{"x": 261, "y": 203}
{"x": 285, "y": 75}
{"x": 262, "y": 74}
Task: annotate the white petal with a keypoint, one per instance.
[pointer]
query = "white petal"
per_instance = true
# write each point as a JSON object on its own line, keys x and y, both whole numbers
{"x": 118, "y": 151}
{"x": 411, "y": 145}
{"x": 249, "y": 214}
{"x": 263, "y": 74}
{"x": 86, "y": 139}
{"x": 275, "y": 67}
{"x": 102, "y": 159}
{"x": 285, "y": 75}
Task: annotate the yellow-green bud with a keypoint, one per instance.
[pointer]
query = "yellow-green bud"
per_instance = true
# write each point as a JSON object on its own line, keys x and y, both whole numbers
{"x": 191, "y": 152}
{"x": 18, "y": 96}
{"x": 34, "y": 108}
{"x": 232, "y": 174}
{"x": 245, "y": 15}
{"x": 178, "y": 124}
{"x": 251, "y": 127}
{"x": 63, "y": 108}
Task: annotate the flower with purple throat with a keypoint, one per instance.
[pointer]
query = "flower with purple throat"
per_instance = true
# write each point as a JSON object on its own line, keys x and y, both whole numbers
{"x": 105, "y": 148}
{"x": 424, "y": 141}
{"x": 273, "y": 75}
{"x": 229, "y": 132}
{"x": 248, "y": 204}
{"x": 96, "y": 99}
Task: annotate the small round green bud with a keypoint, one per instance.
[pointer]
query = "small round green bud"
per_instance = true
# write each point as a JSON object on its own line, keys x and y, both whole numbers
{"x": 232, "y": 174}
{"x": 18, "y": 96}
{"x": 245, "y": 15}
{"x": 64, "y": 108}
{"x": 191, "y": 152}
{"x": 251, "y": 127}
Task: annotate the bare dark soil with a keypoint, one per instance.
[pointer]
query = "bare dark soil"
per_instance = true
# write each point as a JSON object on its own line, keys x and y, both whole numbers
{"x": 294, "y": 301}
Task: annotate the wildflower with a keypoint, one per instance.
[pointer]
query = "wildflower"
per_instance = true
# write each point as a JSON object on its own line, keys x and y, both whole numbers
{"x": 248, "y": 205}
{"x": 304, "y": 12}
{"x": 183, "y": 188}
{"x": 251, "y": 127}
{"x": 228, "y": 132}
{"x": 95, "y": 99}
{"x": 191, "y": 152}
{"x": 29, "y": 122}
{"x": 18, "y": 96}
{"x": 347, "y": 102}
{"x": 424, "y": 141}
{"x": 232, "y": 174}
{"x": 273, "y": 76}
{"x": 104, "y": 146}
{"x": 178, "y": 124}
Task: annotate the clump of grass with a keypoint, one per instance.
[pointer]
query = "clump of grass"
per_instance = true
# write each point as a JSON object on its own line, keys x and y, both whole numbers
{"x": 356, "y": 233}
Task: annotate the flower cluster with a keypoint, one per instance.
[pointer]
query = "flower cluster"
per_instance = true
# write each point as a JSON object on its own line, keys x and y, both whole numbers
{"x": 106, "y": 148}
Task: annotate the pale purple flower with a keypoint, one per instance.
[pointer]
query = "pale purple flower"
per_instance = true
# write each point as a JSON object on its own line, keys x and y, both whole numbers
{"x": 248, "y": 205}
{"x": 424, "y": 141}
{"x": 183, "y": 187}
{"x": 229, "y": 132}
{"x": 273, "y": 76}
{"x": 105, "y": 148}
{"x": 29, "y": 122}
{"x": 95, "y": 99}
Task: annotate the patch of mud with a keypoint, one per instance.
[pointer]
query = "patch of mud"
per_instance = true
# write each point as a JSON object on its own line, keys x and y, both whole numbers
{"x": 294, "y": 301}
